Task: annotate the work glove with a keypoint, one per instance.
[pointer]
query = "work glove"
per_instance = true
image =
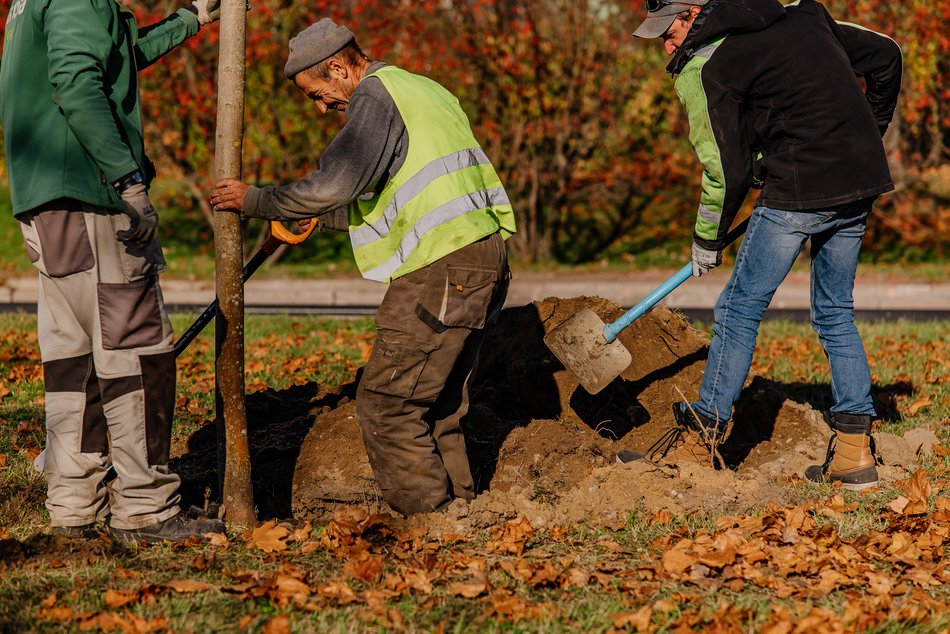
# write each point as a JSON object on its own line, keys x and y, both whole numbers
{"x": 141, "y": 213}
{"x": 704, "y": 260}
{"x": 210, "y": 10}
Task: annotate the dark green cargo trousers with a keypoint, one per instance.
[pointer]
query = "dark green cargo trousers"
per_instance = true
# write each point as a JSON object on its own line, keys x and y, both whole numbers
{"x": 414, "y": 390}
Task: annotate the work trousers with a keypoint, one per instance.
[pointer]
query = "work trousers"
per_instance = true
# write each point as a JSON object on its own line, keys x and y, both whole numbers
{"x": 108, "y": 367}
{"x": 415, "y": 387}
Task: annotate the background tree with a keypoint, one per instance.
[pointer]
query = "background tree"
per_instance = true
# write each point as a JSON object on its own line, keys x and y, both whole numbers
{"x": 578, "y": 116}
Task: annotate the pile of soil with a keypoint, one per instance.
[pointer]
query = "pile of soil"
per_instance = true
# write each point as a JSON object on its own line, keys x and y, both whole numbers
{"x": 539, "y": 444}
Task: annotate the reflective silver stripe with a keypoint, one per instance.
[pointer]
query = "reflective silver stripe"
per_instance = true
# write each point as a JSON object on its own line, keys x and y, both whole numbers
{"x": 438, "y": 216}
{"x": 412, "y": 188}
{"x": 706, "y": 51}
{"x": 709, "y": 215}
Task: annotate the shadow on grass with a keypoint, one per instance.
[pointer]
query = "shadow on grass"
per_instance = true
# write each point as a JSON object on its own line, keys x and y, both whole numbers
{"x": 818, "y": 395}
{"x": 278, "y": 422}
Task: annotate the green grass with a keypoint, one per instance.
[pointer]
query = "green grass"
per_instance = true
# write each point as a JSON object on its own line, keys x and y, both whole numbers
{"x": 328, "y": 351}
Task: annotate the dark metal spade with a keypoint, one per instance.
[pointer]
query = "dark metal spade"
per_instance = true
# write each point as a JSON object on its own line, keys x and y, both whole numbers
{"x": 588, "y": 347}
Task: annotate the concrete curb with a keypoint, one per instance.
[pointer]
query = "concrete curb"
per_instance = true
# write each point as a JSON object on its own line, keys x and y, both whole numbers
{"x": 626, "y": 289}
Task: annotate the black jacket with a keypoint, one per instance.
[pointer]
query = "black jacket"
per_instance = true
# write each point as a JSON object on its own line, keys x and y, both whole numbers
{"x": 773, "y": 95}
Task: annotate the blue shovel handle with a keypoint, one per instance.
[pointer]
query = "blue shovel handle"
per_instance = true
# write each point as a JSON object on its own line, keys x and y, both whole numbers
{"x": 613, "y": 329}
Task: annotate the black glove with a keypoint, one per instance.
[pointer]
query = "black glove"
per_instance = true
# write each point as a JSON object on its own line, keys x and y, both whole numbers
{"x": 704, "y": 260}
{"x": 141, "y": 213}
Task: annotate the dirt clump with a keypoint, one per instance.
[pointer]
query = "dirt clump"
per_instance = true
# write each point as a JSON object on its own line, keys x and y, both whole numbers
{"x": 540, "y": 445}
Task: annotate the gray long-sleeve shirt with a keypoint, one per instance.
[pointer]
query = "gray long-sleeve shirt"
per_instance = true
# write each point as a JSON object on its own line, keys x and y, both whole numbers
{"x": 361, "y": 159}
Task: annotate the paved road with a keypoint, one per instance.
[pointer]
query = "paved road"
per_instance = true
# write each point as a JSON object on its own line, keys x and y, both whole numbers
{"x": 871, "y": 293}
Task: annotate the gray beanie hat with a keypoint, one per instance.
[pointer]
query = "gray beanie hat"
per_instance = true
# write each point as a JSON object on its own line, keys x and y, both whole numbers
{"x": 314, "y": 44}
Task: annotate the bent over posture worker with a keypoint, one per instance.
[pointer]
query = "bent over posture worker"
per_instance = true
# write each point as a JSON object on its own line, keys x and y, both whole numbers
{"x": 78, "y": 172}
{"x": 428, "y": 214}
{"x": 777, "y": 87}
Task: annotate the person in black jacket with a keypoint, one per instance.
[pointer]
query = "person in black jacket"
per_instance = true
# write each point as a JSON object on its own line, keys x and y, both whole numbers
{"x": 774, "y": 99}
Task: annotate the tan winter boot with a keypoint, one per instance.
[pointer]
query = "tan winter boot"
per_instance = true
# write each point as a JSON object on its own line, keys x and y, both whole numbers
{"x": 850, "y": 458}
{"x": 694, "y": 440}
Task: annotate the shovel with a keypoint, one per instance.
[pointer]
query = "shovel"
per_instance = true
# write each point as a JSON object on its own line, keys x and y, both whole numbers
{"x": 279, "y": 234}
{"x": 588, "y": 347}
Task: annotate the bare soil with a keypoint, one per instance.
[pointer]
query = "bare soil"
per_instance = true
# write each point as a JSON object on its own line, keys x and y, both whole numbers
{"x": 539, "y": 444}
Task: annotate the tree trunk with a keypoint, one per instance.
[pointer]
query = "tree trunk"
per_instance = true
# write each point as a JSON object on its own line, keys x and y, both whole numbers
{"x": 237, "y": 493}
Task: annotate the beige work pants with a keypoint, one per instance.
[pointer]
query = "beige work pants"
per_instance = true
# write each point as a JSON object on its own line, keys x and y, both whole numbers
{"x": 414, "y": 391}
{"x": 108, "y": 367}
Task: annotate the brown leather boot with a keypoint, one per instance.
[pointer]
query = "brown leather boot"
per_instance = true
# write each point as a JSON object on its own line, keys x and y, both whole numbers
{"x": 850, "y": 458}
{"x": 692, "y": 441}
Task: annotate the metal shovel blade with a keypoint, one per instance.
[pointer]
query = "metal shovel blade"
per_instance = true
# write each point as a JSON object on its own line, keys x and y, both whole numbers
{"x": 579, "y": 343}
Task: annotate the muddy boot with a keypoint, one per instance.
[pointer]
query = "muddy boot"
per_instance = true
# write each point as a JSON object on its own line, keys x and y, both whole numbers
{"x": 700, "y": 438}
{"x": 693, "y": 440}
{"x": 850, "y": 458}
{"x": 86, "y": 531}
{"x": 175, "y": 529}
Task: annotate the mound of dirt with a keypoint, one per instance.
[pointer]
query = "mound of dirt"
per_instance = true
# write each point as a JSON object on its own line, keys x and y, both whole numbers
{"x": 539, "y": 444}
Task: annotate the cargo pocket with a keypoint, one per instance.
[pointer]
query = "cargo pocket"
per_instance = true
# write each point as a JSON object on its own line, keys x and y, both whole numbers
{"x": 138, "y": 262}
{"x": 30, "y": 242}
{"x": 457, "y": 297}
{"x": 63, "y": 243}
{"x": 396, "y": 364}
{"x": 129, "y": 315}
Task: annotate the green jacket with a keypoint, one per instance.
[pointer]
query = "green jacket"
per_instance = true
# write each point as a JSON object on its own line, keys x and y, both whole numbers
{"x": 69, "y": 98}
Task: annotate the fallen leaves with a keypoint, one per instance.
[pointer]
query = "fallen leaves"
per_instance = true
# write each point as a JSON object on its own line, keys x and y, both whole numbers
{"x": 511, "y": 537}
{"x": 270, "y": 537}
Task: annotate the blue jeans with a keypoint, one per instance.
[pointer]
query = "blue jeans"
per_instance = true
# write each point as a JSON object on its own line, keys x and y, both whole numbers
{"x": 770, "y": 247}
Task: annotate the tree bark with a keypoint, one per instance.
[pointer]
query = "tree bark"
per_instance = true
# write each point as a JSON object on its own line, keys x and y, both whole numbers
{"x": 237, "y": 493}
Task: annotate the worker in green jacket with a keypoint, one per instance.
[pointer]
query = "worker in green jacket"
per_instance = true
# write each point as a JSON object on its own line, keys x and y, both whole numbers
{"x": 79, "y": 177}
{"x": 429, "y": 218}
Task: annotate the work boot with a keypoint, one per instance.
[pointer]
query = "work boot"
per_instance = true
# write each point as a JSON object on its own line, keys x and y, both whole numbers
{"x": 694, "y": 440}
{"x": 175, "y": 529}
{"x": 86, "y": 531}
{"x": 850, "y": 457}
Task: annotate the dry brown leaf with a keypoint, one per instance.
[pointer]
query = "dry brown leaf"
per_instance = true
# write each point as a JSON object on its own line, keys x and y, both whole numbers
{"x": 280, "y": 624}
{"x": 302, "y": 533}
{"x": 511, "y": 537}
{"x": 639, "y": 620}
{"x": 919, "y": 490}
{"x": 878, "y": 583}
{"x": 898, "y": 504}
{"x": 369, "y": 569}
{"x": 118, "y": 598}
{"x": 49, "y": 601}
{"x": 677, "y": 560}
{"x": 418, "y": 580}
{"x": 919, "y": 404}
{"x": 188, "y": 585}
{"x": 558, "y": 533}
{"x": 471, "y": 589}
{"x": 245, "y": 621}
{"x": 837, "y": 503}
{"x": 289, "y": 585}
{"x": 662, "y": 516}
{"x": 454, "y": 538}
{"x": 779, "y": 622}
{"x": 339, "y": 591}
{"x": 270, "y": 537}
{"x": 217, "y": 539}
